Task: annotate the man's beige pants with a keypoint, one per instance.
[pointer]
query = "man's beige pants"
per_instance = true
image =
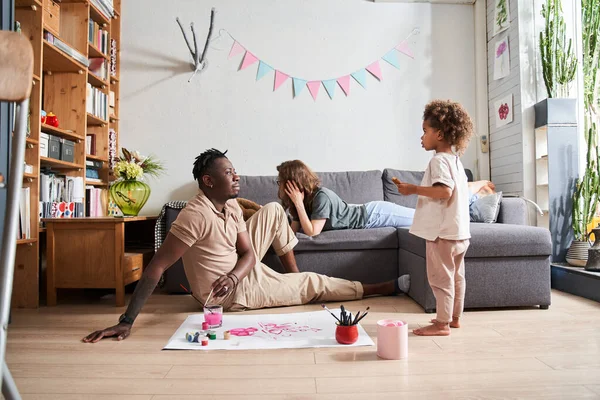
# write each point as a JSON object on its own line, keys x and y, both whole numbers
{"x": 263, "y": 287}
{"x": 446, "y": 274}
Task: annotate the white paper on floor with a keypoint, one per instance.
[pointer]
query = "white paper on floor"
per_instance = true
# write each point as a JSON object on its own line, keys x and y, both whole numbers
{"x": 267, "y": 331}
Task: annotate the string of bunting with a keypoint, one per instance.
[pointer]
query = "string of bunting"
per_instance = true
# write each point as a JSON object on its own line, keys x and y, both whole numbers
{"x": 298, "y": 84}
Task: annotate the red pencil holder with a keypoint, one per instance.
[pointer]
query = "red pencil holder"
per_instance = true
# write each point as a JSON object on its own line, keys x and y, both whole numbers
{"x": 346, "y": 334}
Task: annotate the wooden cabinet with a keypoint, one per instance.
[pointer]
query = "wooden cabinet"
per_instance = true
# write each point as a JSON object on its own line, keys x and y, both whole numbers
{"x": 97, "y": 253}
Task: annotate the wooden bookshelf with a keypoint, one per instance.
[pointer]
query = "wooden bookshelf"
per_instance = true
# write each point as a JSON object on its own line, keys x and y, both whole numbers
{"x": 60, "y": 86}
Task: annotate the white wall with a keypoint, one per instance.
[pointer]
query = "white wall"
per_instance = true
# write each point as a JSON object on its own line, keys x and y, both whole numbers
{"x": 224, "y": 108}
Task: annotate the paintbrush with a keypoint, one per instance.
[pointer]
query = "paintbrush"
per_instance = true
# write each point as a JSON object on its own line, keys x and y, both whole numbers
{"x": 325, "y": 307}
{"x": 192, "y": 294}
{"x": 364, "y": 315}
{"x": 208, "y": 298}
{"x": 343, "y": 314}
{"x": 356, "y": 318}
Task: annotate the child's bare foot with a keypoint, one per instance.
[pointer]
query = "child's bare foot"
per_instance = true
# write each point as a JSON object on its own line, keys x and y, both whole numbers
{"x": 436, "y": 329}
{"x": 454, "y": 324}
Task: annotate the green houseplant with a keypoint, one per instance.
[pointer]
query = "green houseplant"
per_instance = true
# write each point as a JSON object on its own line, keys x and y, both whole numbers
{"x": 129, "y": 192}
{"x": 559, "y": 63}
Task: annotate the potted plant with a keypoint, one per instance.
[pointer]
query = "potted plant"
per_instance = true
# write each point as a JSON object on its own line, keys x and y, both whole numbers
{"x": 129, "y": 192}
{"x": 590, "y": 19}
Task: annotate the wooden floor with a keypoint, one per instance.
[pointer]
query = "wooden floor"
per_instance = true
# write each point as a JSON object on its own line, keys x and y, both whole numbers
{"x": 501, "y": 354}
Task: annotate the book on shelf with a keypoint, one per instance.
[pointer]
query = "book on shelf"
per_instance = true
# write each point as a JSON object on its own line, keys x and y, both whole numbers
{"x": 59, "y": 44}
{"x": 90, "y": 144}
{"x": 105, "y": 7}
{"x": 25, "y": 214}
{"x": 96, "y": 102}
{"x": 61, "y": 196}
{"x": 99, "y": 67}
{"x": 96, "y": 202}
{"x": 113, "y": 57}
{"x": 112, "y": 148}
{"x": 98, "y": 37}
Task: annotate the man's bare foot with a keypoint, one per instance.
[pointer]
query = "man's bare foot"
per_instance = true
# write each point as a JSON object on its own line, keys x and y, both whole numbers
{"x": 436, "y": 329}
{"x": 454, "y": 324}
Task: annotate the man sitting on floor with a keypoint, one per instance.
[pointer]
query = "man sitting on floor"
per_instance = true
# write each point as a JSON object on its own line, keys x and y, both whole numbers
{"x": 221, "y": 253}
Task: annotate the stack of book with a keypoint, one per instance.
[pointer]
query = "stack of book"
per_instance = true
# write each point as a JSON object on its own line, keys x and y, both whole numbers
{"x": 61, "y": 196}
{"x": 96, "y": 202}
{"x": 24, "y": 214}
{"x": 59, "y": 44}
{"x": 112, "y": 148}
{"x": 113, "y": 57}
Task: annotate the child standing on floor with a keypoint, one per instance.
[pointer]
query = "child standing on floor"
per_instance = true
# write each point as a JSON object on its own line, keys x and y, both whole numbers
{"x": 442, "y": 213}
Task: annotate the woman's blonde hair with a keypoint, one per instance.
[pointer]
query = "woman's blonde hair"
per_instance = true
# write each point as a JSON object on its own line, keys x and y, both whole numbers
{"x": 306, "y": 180}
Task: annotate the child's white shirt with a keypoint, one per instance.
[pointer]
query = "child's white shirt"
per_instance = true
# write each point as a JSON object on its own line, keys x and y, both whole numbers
{"x": 447, "y": 219}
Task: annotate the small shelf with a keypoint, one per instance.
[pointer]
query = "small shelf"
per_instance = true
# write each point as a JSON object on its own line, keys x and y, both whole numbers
{"x": 57, "y": 61}
{"x": 26, "y": 241}
{"x": 29, "y": 176}
{"x": 97, "y": 16}
{"x": 61, "y": 132}
{"x": 31, "y": 141}
{"x": 35, "y": 77}
{"x": 59, "y": 163}
{"x": 92, "y": 120}
{"x": 94, "y": 183}
{"x": 113, "y": 118}
{"x": 114, "y": 78}
{"x": 95, "y": 157}
{"x": 41, "y": 230}
{"x": 97, "y": 81}
{"x": 94, "y": 52}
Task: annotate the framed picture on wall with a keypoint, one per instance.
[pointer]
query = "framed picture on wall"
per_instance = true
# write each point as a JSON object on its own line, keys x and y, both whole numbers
{"x": 501, "y": 59}
{"x": 503, "y": 109}
{"x": 501, "y": 16}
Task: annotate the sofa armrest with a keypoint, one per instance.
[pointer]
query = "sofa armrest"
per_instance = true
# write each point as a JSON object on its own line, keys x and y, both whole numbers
{"x": 513, "y": 210}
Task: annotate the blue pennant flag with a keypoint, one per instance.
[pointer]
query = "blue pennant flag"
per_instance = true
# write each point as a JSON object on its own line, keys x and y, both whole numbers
{"x": 392, "y": 58}
{"x": 263, "y": 69}
{"x": 330, "y": 87}
{"x": 298, "y": 86}
{"x": 361, "y": 77}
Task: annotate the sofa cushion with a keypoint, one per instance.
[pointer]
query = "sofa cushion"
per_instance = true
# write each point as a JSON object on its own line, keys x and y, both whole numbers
{"x": 492, "y": 240}
{"x": 260, "y": 189}
{"x": 349, "y": 239}
{"x": 390, "y": 191}
{"x": 486, "y": 208}
{"x": 354, "y": 187}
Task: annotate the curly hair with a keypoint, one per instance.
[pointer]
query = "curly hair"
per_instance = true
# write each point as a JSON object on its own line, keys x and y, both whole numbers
{"x": 305, "y": 178}
{"x": 204, "y": 163}
{"x": 452, "y": 120}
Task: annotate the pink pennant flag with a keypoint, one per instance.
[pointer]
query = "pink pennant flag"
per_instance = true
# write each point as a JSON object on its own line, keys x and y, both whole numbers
{"x": 313, "y": 88}
{"x": 403, "y": 48}
{"x": 375, "y": 70}
{"x": 280, "y": 77}
{"x": 249, "y": 59}
{"x": 344, "y": 83}
{"x": 236, "y": 49}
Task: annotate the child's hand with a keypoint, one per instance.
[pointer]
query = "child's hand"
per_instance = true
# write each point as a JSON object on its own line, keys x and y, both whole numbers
{"x": 405, "y": 188}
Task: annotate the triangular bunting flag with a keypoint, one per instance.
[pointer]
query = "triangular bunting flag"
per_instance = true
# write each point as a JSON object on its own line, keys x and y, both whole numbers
{"x": 280, "y": 77}
{"x": 329, "y": 86}
{"x": 249, "y": 59}
{"x": 360, "y": 77}
{"x": 298, "y": 86}
{"x": 403, "y": 48}
{"x": 313, "y": 88}
{"x": 344, "y": 83}
{"x": 263, "y": 69}
{"x": 392, "y": 58}
{"x": 236, "y": 49}
{"x": 375, "y": 70}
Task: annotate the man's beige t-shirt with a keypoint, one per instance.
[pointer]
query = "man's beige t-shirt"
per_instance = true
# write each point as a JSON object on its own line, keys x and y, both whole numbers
{"x": 447, "y": 219}
{"x": 212, "y": 237}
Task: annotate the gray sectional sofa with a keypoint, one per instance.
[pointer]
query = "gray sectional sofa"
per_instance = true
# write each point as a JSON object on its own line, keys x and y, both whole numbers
{"x": 507, "y": 264}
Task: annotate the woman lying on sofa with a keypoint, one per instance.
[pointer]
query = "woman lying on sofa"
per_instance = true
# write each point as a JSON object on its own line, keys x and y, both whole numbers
{"x": 315, "y": 208}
